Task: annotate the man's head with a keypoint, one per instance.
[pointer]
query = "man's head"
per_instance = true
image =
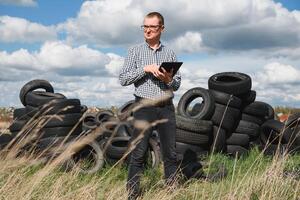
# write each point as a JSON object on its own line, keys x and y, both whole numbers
{"x": 153, "y": 26}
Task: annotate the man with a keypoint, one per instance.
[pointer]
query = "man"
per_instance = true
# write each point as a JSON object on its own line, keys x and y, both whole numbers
{"x": 141, "y": 68}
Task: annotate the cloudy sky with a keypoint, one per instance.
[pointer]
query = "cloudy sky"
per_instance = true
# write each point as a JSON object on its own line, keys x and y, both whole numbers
{"x": 79, "y": 46}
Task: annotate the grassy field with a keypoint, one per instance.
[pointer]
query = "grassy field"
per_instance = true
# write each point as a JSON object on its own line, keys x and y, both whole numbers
{"x": 251, "y": 177}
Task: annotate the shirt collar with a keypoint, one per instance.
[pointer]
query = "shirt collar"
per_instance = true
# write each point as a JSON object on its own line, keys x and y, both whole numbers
{"x": 159, "y": 47}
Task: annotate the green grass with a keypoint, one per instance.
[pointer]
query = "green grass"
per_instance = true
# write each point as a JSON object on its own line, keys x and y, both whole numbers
{"x": 251, "y": 177}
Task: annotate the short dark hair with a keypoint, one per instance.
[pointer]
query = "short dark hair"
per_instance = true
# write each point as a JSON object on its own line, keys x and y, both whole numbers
{"x": 158, "y": 15}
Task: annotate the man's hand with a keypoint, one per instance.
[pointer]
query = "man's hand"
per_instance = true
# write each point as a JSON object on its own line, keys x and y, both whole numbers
{"x": 164, "y": 75}
{"x": 153, "y": 69}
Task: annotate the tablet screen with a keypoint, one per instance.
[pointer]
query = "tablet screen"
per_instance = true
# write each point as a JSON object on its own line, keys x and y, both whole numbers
{"x": 171, "y": 65}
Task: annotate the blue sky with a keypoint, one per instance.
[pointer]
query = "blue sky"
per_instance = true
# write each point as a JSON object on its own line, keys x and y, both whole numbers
{"x": 79, "y": 46}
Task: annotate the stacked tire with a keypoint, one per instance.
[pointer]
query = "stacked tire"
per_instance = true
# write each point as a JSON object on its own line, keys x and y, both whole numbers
{"x": 231, "y": 89}
{"x": 50, "y": 120}
{"x": 238, "y": 121}
{"x": 193, "y": 127}
{"x": 254, "y": 115}
{"x": 47, "y": 114}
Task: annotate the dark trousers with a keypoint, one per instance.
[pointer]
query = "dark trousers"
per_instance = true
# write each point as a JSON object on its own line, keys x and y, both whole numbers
{"x": 166, "y": 133}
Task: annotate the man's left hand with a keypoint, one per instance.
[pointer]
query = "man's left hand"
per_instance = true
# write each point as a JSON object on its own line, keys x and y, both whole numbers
{"x": 165, "y": 76}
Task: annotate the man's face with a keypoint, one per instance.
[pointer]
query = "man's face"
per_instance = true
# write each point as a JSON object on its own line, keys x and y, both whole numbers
{"x": 152, "y": 28}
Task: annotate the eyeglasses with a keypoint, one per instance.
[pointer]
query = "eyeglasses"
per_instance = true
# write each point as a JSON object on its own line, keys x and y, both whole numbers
{"x": 151, "y": 27}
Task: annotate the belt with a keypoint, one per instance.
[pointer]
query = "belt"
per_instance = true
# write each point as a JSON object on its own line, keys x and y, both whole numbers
{"x": 165, "y": 102}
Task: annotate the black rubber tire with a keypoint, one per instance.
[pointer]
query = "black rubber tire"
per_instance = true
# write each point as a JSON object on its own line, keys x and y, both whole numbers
{"x": 20, "y": 113}
{"x": 219, "y": 140}
{"x": 116, "y": 129}
{"x": 248, "y": 128}
{"x": 272, "y": 129}
{"x": 260, "y": 109}
{"x": 270, "y": 112}
{"x": 191, "y": 137}
{"x": 32, "y": 111}
{"x": 126, "y": 110}
{"x": 33, "y": 85}
{"x": 63, "y": 106}
{"x": 109, "y": 128}
{"x": 123, "y": 129}
{"x": 58, "y": 132}
{"x": 229, "y": 121}
{"x": 235, "y": 83}
{"x": 253, "y": 119}
{"x": 235, "y": 150}
{"x": 90, "y": 151}
{"x": 248, "y": 97}
{"x": 61, "y": 120}
{"x": 48, "y": 146}
{"x": 194, "y": 125}
{"x": 89, "y": 121}
{"x": 104, "y": 116}
{"x": 39, "y": 98}
{"x": 17, "y": 125}
{"x": 56, "y": 106}
{"x": 226, "y": 99}
{"x": 239, "y": 139}
{"x": 189, "y": 96}
{"x": 117, "y": 147}
{"x": 6, "y": 138}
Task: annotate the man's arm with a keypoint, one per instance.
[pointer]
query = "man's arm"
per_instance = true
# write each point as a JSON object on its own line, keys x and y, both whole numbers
{"x": 130, "y": 73}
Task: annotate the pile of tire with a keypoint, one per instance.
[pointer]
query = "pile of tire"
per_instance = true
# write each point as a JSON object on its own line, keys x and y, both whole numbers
{"x": 47, "y": 120}
{"x": 115, "y": 132}
{"x": 228, "y": 119}
{"x": 54, "y": 113}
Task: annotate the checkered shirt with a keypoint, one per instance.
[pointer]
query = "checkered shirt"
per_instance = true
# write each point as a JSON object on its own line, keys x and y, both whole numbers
{"x": 146, "y": 84}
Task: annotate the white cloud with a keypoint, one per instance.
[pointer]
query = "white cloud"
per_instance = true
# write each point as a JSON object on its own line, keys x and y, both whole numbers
{"x": 59, "y": 57}
{"x": 278, "y": 73}
{"x": 115, "y": 64}
{"x": 189, "y": 42}
{"x": 105, "y": 22}
{"x": 14, "y": 29}
{"x": 19, "y": 2}
{"x": 20, "y": 59}
{"x": 229, "y": 25}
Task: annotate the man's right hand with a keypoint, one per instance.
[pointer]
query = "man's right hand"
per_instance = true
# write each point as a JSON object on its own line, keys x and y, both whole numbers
{"x": 153, "y": 69}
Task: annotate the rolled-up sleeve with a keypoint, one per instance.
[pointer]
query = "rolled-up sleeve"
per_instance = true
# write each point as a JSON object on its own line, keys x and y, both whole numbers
{"x": 176, "y": 81}
{"x": 130, "y": 72}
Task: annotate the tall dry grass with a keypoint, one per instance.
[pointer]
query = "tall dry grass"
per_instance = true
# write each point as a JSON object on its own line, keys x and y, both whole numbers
{"x": 251, "y": 177}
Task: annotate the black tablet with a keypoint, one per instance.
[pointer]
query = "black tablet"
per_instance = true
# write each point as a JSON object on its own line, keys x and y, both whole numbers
{"x": 170, "y": 65}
